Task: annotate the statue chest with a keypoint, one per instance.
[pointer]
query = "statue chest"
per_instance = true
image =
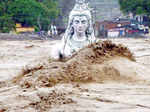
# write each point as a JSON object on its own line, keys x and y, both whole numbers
{"x": 77, "y": 45}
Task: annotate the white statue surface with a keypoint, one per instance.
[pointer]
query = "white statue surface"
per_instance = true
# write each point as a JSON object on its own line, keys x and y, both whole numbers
{"x": 79, "y": 32}
{"x": 80, "y": 1}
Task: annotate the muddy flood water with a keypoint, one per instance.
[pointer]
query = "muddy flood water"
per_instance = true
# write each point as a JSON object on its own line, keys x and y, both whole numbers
{"x": 109, "y": 76}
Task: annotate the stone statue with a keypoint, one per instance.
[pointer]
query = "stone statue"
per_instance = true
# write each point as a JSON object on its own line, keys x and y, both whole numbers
{"x": 80, "y": 1}
{"x": 79, "y": 32}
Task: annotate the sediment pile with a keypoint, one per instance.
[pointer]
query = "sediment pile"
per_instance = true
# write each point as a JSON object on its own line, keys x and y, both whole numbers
{"x": 87, "y": 65}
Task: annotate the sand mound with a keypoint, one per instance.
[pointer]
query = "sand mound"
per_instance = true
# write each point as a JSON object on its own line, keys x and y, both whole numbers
{"x": 88, "y": 65}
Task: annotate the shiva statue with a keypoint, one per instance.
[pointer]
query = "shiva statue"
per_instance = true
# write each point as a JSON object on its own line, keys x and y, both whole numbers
{"x": 79, "y": 32}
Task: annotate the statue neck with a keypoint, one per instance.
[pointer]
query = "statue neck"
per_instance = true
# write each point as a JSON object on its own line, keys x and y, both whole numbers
{"x": 79, "y": 36}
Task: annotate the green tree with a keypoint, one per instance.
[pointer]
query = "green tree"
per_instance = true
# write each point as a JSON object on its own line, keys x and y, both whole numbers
{"x": 27, "y": 12}
{"x": 6, "y": 22}
{"x": 137, "y": 7}
{"x": 49, "y": 14}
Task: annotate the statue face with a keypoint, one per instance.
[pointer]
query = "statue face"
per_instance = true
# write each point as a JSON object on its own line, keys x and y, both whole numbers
{"x": 80, "y": 24}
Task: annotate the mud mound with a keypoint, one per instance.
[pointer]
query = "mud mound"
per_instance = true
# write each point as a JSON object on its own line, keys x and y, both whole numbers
{"x": 88, "y": 65}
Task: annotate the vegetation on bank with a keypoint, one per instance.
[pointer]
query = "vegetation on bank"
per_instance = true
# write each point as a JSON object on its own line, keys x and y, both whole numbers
{"x": 137, "y": 7}
{"x": 32, "y": 13}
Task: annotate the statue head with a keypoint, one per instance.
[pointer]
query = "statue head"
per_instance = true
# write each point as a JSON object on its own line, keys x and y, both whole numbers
{"x": 80, "y": 21}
